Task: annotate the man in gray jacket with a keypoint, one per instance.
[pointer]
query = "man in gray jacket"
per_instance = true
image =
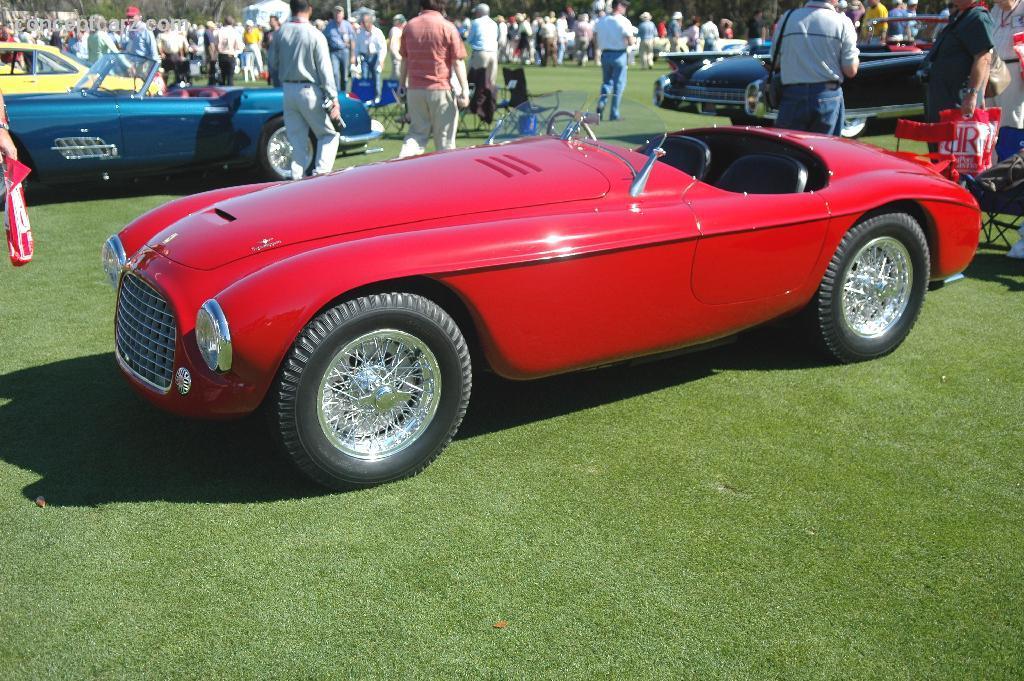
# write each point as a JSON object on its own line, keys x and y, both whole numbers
{"x": 301, "y": 59}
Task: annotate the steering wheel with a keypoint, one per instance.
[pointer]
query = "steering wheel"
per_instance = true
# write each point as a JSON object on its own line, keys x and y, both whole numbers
{"x": 572, "y": 116}
{"x": 558, "y": 115}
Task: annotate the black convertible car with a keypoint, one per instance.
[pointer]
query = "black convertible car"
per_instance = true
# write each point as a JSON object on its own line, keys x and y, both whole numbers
{"x": 729, "y": 84}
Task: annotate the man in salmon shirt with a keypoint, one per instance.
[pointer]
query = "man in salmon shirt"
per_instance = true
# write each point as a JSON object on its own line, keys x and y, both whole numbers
{"x": 431, "y": 51}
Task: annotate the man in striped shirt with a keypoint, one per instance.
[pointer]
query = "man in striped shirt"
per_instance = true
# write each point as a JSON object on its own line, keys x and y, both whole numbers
{"x": 815, "y": 47}
{"x": 431, "y": 52}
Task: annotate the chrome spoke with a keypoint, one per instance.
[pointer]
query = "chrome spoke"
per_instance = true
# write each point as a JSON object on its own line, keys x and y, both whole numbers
{"x": 876, "y": 287}
{"x": 379, "y": 394}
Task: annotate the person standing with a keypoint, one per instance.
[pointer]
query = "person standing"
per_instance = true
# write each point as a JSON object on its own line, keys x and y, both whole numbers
{"x": 755, "y": 29}
{"x": 876, "y": 34}
{"x": 229, "y": 46}
{"x": 253, "y": 39}
{"x": 1008, "y": 20}
{"x": 431, "y": 51}
{"x": 483, "y": 41}
{"x": 7, "y": 148}
{"x": 100, "y": 43}
{"x": 341, "y": 41}
{"x": 268, "y": 39}
{"x": 818, "y": 49}
{"x": 549, "y": 39}
{"x": 958, "y": 63}
{"x": 613, "y": 35}
{"x": 138, "y": 39}
{"x": 674, "y": 32}
{"x": 395, "y": 44}
{"x": 210, "y": 52}
{"x": 371, "y": 46}
{"x": 709, "y": 35}
{"x": 691, "y": 35}
{"x": 173, "y": 56}
{"x": 646, "y": 32}
{"x": 301, "y": 58}
{"x": 584, "y": 35}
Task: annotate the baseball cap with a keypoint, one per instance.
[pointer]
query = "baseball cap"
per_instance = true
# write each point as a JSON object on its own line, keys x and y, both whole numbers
{"x": 677, "y": 15}
{"x": 132, "y": 11}
{"x": 338, "y": 8}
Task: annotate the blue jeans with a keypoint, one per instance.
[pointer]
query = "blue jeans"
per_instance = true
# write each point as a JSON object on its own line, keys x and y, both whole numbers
{"x": 812, "y": 107}
{"x": 369, "y": 67}
{"x": 613, "y": 79}
{"x": 339, "y": 62}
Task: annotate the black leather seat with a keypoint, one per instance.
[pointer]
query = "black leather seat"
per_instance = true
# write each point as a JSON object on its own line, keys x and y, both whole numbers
{"x": 688, "y": 154}
{"x": 764, "y": 174}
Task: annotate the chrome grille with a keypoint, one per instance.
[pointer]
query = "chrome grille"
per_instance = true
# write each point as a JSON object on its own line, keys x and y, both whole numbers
{"x": 145, "y": 332}
{"x": 714, "y": 94}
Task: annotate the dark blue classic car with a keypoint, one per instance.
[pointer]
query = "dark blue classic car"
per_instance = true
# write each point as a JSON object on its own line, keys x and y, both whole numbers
{"x": 117, "y": 122}
{"x": 729, "y": 84}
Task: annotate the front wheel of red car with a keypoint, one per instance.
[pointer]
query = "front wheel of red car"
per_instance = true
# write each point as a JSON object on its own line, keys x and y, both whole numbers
{"x": 372, "y": 390}
{"x": 873, "y": 289}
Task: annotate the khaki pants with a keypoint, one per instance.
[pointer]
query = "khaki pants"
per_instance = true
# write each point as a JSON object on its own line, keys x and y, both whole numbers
{"x": 432, "y": 113}
{"x": 303, "y": 114}
{"x": 489, "y": 62}
{"x": 647, "y": 53}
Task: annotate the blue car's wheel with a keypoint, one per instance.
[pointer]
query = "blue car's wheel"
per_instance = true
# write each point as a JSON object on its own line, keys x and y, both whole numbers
{"x": 275, "y": 151}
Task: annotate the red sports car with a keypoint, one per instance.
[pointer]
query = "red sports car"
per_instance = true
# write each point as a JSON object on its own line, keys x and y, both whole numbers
{"x": 355, "y": 305}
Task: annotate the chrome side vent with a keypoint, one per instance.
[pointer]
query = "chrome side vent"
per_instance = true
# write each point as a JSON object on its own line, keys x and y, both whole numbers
{"x": 80, "y": 148}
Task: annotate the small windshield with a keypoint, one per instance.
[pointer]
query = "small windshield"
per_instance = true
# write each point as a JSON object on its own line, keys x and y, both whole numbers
{"x": 584, "y": 118}
{"x": 121, "y": 73}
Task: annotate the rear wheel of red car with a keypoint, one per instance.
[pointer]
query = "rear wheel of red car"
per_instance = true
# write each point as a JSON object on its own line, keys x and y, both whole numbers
{"x": 873, "y": 289}
{"x": 372, "y": 390}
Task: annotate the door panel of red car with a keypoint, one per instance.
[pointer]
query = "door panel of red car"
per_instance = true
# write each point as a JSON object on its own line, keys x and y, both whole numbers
{"x": 596, "y": 301}
{"x": 754, "y": 246}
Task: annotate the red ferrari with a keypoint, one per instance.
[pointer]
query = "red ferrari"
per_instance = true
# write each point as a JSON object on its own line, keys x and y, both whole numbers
{"x": 354, "y": 306}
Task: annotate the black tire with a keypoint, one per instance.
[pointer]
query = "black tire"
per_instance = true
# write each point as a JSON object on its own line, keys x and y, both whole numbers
{"x": 744, "y": 119}
{"x": 267, "y": 168}
{"x": 839, "y": 335}
{"x": 295, "y": 412}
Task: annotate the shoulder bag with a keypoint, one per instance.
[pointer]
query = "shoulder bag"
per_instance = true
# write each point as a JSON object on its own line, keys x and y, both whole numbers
{"x": 773, "y": 84}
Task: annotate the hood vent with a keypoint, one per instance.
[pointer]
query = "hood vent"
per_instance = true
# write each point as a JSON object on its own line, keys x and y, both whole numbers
{"x": 508, "y": 165}
{"x": 224, "y": 214}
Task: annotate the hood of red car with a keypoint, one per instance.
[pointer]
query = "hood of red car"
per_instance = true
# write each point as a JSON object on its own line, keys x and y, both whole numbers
{"x": 409, "y": 192}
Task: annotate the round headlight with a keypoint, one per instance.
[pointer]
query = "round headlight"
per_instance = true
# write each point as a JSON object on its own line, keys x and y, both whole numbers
{"x": 114, "y": 259}
{"x": 213, "y": 336}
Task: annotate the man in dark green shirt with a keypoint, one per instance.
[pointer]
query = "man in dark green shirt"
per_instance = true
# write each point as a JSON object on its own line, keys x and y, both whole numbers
{"x": 960, "y": 61}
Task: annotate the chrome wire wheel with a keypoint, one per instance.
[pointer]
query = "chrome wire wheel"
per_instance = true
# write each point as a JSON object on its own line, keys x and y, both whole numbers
{"x": 279, "y": 153}
{"x": 877, "y": 287}
{"x": 379, "y": 394}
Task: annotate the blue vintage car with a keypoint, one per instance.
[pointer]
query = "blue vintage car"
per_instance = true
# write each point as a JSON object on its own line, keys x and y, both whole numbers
{"x": 116, "y": 123}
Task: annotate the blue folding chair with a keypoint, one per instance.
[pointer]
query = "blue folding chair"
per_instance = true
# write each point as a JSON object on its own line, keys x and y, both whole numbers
{"x": 1003, "y": 211}
{"x": 365, "y": 89}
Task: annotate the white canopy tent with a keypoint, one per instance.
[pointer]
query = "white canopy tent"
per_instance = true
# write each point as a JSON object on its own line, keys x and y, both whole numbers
{"x": 261, "y": 12}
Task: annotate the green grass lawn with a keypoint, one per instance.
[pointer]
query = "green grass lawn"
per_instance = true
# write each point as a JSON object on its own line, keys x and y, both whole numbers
{"x": 746, "y": 512}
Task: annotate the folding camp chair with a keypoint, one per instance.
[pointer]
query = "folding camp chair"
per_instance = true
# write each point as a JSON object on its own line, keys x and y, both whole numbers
{"x": 390, "y": 108}
{"x": 514, "y": 93}
{"x": 387, "y": 107}
{"x": 932, "y": 133}
{"x": 365, "y": 89}
{"x": 1003, "y": 211}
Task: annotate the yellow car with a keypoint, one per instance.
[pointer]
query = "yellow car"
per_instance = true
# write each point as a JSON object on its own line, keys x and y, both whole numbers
{"x": 32, "y": 69}
{"x": 26, "y": 68}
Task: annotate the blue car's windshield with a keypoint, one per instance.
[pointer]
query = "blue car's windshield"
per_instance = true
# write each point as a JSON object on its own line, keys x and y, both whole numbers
{"x": 120, "y": 73}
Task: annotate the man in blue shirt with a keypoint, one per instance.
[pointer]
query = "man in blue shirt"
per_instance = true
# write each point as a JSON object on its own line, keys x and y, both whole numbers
{"x": 138, "y": 38}
{"x": 647, "y": 32}
{"x": 483, "y": 40}
{"x": 341, "y": 42}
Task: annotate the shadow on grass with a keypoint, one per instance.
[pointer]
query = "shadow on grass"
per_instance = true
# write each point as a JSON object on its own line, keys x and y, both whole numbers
{"x": 993, "y": 265}
{"x": 93, "y": 441}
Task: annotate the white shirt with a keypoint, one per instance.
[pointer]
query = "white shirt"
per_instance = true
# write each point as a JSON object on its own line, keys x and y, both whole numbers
{"x": 613, "y": 32}
{"x": 483, "y": 34}
{"x": 370, "y": 42}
